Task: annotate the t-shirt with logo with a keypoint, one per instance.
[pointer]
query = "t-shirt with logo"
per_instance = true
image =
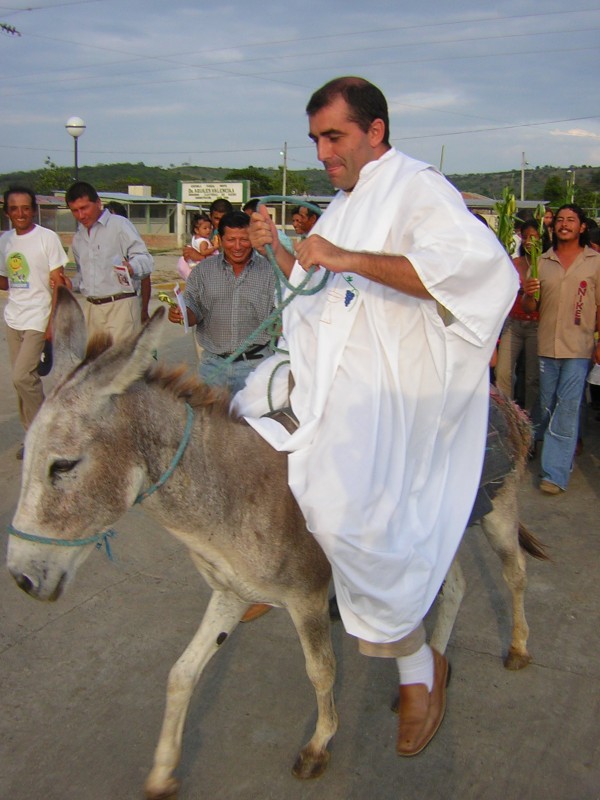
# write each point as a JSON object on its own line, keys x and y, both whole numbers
{"x": 27, "y": 261}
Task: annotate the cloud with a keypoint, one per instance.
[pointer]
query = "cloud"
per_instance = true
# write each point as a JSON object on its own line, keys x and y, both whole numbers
{"x": 577, "y": 132}
{"x": 416, "y": 102}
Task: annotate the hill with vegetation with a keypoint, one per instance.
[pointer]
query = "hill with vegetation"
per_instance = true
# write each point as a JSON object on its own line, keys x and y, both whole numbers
{"x": 550, "y": 184}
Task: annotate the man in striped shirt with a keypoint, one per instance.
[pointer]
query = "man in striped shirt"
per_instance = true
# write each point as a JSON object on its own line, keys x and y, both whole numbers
{"x": 227, "y": 296}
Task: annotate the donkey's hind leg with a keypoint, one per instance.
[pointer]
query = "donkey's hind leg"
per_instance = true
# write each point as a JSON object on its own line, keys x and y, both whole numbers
{"x": 501, "y": 526}
{"x": 451, "y": 595}
{"x": 311, "y": 619}
{"x": 220, "y": 619}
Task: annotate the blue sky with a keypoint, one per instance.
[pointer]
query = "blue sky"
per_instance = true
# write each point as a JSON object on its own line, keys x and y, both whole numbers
{"x": 226, "y": 84}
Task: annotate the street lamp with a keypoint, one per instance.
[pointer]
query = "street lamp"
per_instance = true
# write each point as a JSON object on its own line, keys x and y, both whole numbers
{"x": 75, "y": 127}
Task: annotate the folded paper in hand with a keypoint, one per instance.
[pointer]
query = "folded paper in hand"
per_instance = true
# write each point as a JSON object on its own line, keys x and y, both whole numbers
{"x": 122, "y": 273}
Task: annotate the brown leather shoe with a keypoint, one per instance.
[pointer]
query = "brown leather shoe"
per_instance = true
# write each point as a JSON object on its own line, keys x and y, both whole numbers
{"x": 421, "y": 712}
{"x": 255, "y": 611}
{"x": 547, "y": 487}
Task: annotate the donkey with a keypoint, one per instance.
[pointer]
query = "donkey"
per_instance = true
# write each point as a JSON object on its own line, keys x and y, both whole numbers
{"x": 115, "y": 431}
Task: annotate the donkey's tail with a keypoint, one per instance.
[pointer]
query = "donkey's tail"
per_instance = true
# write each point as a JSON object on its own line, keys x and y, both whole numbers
{"x": 531, "y": 544}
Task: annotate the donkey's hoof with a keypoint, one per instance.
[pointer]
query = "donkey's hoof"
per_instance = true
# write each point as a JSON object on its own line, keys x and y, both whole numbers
{"x": 516, "y": 660}
{"x": 169, "y": 791}
{"x": 310, "y": 764}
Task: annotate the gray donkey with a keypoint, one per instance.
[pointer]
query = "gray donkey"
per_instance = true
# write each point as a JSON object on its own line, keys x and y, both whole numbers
{"x": 115, "y": 431}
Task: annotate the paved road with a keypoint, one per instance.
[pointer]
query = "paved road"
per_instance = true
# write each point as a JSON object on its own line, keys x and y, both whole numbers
{"x": 83, "y": 679}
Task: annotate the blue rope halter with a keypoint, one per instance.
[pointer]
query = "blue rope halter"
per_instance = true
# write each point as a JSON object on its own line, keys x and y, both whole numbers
{"x": 103, "y": 539}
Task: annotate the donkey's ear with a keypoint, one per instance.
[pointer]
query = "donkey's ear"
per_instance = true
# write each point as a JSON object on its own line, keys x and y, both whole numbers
{"x": 69, "y": 336}
{"x": 123, "y": 364}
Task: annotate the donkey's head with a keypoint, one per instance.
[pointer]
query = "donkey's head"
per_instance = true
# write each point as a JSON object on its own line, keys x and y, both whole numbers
{"x": 80, "y": 473}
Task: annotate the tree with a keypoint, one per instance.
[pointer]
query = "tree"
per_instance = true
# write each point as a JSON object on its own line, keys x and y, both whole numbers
{"x": 294, "y": 183}
{"x": 260, "y": 183}
{"x": 554, "y": 190}
{"x": 9, "y": 30}
{"x": 52, "y": 178}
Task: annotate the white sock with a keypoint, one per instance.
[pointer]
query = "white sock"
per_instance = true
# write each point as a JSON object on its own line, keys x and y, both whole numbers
{"x": 417, "y": 667}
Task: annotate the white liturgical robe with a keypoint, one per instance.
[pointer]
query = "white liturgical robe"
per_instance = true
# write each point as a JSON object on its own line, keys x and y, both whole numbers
{"x": 391, "y": 393}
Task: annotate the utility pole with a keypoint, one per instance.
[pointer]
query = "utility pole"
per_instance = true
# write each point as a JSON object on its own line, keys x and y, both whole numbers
{"x": 523, "y": 165}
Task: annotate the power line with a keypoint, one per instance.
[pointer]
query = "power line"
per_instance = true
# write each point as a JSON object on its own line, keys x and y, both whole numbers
{"x": 276, "y": 148}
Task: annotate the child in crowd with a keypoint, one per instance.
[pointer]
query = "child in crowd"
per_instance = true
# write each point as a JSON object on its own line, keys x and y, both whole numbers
{"x": 201, "y": 245}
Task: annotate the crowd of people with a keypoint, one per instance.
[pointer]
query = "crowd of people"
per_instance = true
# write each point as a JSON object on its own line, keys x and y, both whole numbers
{"x": 390, "y": 361}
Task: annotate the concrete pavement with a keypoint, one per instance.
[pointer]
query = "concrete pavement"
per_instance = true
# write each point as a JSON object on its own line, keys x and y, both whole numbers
{"x": 83, "y": 679}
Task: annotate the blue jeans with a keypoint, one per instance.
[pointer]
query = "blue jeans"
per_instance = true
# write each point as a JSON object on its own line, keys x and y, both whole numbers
{"x": 562, "y": 381}
{"x": 215, "y": 372}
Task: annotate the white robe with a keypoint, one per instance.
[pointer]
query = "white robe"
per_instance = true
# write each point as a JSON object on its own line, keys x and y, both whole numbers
{"x": 392, "y": 401}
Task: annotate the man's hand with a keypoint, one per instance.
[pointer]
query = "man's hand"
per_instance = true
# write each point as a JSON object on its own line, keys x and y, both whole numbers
{"x": 191, "y": 254}
{"x": 315, "y": 251}
{"x": 175, "y": 315}
{"x": 262, "y": 231}
{"x": 531, "y": 286}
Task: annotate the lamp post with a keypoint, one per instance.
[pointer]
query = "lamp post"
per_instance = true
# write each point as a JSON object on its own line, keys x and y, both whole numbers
{"x": 75, "y": 127}
{"x": 283, "y": 183}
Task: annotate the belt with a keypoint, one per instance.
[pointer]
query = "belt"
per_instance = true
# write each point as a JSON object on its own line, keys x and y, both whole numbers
{"x": 111, "y": 298}
{"x": 248, "y": 355}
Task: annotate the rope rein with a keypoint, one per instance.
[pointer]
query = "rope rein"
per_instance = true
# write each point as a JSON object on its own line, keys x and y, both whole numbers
{"x": 103, "y": 538}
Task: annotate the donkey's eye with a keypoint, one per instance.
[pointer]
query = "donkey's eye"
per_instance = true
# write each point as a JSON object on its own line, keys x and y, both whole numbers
{"x": 61, "y": 466}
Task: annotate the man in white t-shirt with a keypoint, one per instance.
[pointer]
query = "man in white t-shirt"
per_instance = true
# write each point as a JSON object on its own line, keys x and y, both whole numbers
{"x": 31, "y": 257}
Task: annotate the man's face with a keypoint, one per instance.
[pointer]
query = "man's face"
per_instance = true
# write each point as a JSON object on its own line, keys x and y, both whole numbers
{"x": 86, "y": 211}
{"x": 307, "y": 220}
{"x": 342, "y": 147}
{"x": 567, "y": 226}
{"x": 236, "y": 246}
{"x": 548, "y": 219}
{"x": 215, "y": 218}
{"x": 297, "y": 224}
{"x": 20, "y": 212}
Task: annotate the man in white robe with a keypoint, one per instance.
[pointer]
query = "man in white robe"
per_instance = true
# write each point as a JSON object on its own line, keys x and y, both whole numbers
{"x": 390, "y": 363}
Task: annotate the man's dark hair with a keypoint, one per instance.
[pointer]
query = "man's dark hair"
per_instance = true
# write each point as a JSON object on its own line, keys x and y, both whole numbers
{"x": 251, "y": 205}
{"x": 220, "y": 204}
{"x": 117, "y": 208}
{"x": 236, "y": 219}
{"x": 584, "y": 238}
{"x": 309, "y": 211}
{"x": 79, "y": 190}
{"x": 20, "y": 190}
{"x": 366, "y": 102}
{"x": 594, "y": 236}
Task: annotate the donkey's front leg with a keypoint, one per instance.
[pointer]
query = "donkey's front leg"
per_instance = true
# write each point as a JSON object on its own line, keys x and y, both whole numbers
{"x": 220, "y": 619}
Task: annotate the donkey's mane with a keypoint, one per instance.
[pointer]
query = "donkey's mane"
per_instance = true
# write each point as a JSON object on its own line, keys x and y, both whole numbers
{"x": 175, "y": 379}
{"x": 98, "y": 344}
{"x": 182, "y": 384}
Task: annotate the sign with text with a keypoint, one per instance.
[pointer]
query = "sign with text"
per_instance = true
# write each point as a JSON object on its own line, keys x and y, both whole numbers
{"x": 204, "y": 192}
